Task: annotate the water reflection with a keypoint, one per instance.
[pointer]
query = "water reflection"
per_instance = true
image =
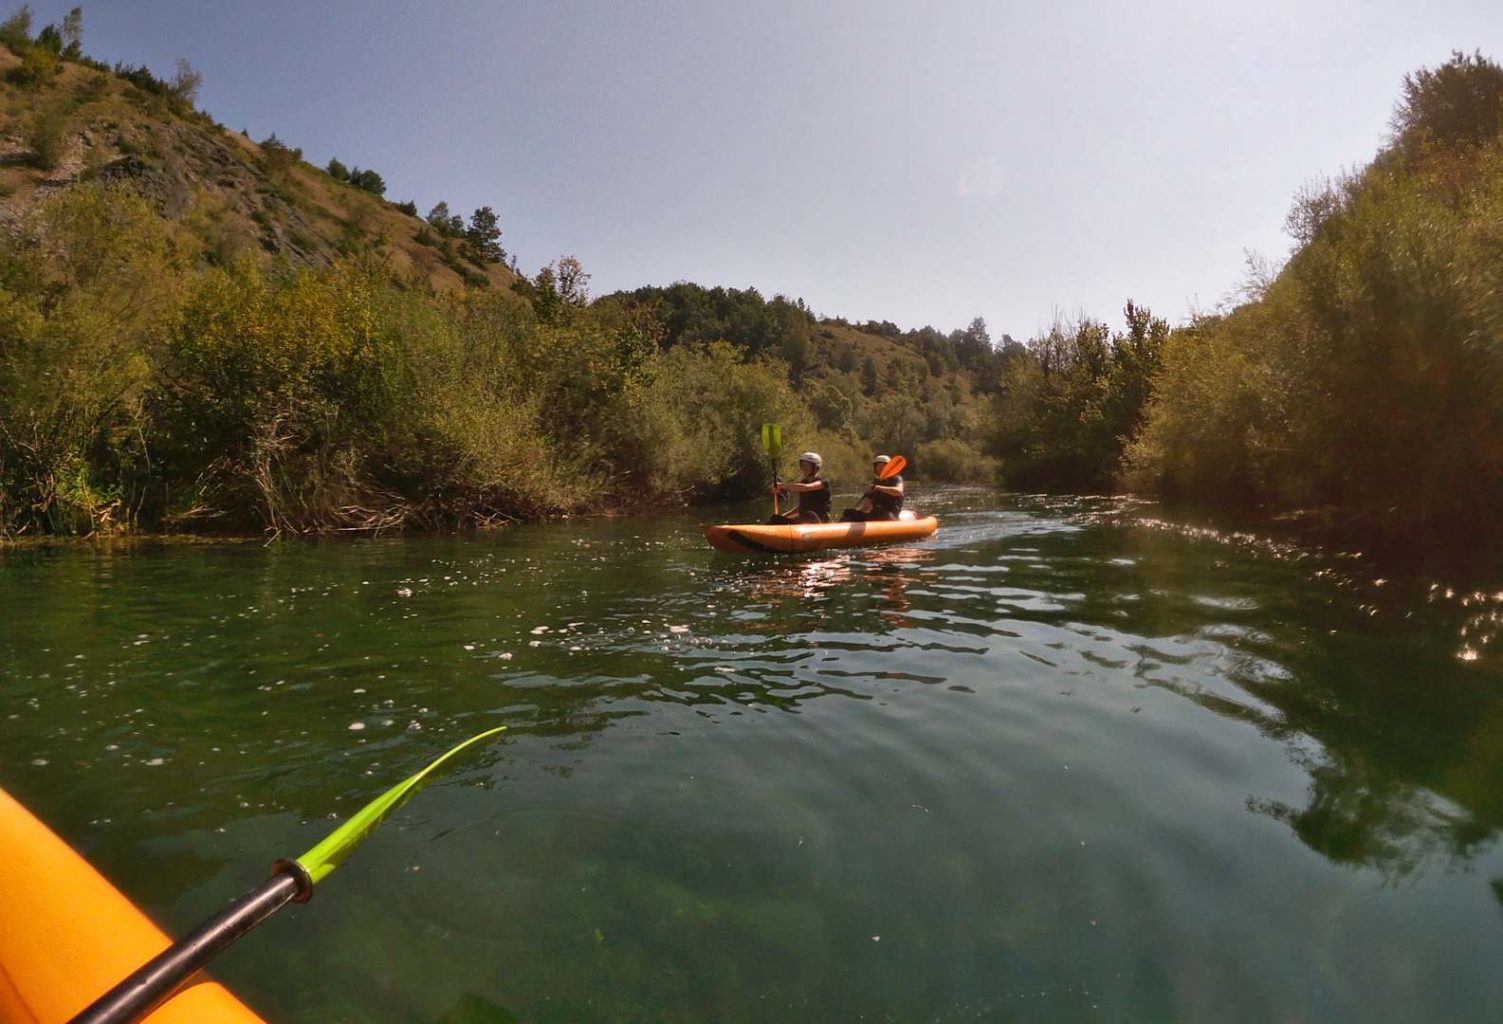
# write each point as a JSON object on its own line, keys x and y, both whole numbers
{"x": 1056, "y": 715}
{"x": 1404, "y": 754}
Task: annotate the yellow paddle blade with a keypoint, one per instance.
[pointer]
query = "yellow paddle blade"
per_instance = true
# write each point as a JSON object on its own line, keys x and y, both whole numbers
{"x": 772, "y": 439}
{"x": 330, "y": 853}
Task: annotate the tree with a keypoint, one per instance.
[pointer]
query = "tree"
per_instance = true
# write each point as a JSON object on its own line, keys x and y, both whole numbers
{"x": 869, "y": 376}
{"x": 1136, "y": 359}
{"x": 48, "y": 136}
{"x": 73, "y": 34}
{"x": 368, "y": 180}
{"x": 51, "y": 40}
{"x": 484, "y": 234}
{"x": 338, "y": 171}
{"x": 1459, "y": 102}
{"x": 559, "y": 288}
{"x": 15, "y": 31}
{"x": 450, "y": 225}
{"x": 185, "y": 83}
{"x": 973, "y": 345}
{"x": 279, "y": 157}
{"x": 572, "y": 281}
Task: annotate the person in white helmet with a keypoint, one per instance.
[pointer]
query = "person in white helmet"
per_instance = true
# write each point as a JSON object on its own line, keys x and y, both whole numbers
{"x": 813, "y": 493}
{"x": 882, "y": 500}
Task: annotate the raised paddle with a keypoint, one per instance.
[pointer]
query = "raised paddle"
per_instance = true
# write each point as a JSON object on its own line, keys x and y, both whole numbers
{"x": 292, "y": 882}
{"x": 894, "y": 466}
{"x": 772, "y": 444}
{"x": 891, "y": 468}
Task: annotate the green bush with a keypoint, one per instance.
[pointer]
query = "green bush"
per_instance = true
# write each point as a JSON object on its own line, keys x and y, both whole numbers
{"x": 277, "y": 156}
{"x": 368, "y": 180}
{"x": 954, "y": 461}
{"x": 88, "y": 281}
{"x": 38, "y": 67}
{"x": 15, "y": 31}
{"x": 1070, "y": 403}
{"x": 1366, "y": 380}
{"x": 48, "y": 136}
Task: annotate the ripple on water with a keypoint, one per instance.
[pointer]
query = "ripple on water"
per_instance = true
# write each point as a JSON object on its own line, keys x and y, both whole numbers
{"x": 1046, "y": 762}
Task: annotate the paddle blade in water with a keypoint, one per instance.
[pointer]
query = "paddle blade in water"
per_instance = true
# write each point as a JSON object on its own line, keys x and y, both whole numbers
{"x": 330, "y": 853}
{"x": 772, "y": 439}
{"x": 894, "y": 466}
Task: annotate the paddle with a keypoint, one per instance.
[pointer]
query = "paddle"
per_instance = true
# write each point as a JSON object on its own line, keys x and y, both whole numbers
{"x": 894, "y": 466}
{"x": 772, "y": 444}
{"x": 292, "y": 882}
{"x": 891, "y": 468}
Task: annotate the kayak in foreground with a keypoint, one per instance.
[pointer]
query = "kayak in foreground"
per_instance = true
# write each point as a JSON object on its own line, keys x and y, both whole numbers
{"x": 67, "y": 935}
{"x": 756, "y": 539}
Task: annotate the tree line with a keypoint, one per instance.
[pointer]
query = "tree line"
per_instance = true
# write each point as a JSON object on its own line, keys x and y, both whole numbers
{"x": 1359, "y": 386}
{"x": 144, "y": 387}
{"x": 145, "y": 384}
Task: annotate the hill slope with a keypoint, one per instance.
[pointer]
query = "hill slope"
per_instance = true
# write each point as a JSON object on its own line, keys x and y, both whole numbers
{"x": 198, "y": 331}
{"x": 234, "y": 196}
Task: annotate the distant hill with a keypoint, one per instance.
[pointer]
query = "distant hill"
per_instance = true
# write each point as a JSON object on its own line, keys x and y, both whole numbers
{"x": 205, "y": 332}
{"x": 81, "y": 122}
{"x": 234, "y": 196}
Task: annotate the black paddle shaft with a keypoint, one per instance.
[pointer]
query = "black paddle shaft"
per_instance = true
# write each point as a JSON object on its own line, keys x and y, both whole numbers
{"x": 155, "y": 981}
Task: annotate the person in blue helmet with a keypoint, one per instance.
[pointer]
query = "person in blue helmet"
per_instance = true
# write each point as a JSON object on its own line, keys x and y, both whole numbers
{"x": 813, "y": 493}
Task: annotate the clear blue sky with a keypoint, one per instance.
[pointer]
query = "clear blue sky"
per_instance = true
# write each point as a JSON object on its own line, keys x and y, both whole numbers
{"x": 923, "y": 163}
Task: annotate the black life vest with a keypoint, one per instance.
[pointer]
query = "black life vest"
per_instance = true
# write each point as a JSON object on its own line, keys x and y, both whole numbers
{"x": 886, "y": 504}
{"x": 818, "y": 501}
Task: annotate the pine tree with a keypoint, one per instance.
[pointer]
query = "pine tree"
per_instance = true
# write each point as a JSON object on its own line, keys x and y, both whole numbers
{"x": 484, "y": 234}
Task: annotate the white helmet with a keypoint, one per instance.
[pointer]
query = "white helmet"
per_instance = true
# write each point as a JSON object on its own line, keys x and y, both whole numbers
{"x": 881, "y": 459}
{"x": 812, "y": 457}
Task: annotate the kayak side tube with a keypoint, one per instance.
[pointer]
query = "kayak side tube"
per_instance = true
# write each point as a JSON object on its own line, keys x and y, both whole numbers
{"x": 67, "y": 935}
{"x": 758, "y": 538}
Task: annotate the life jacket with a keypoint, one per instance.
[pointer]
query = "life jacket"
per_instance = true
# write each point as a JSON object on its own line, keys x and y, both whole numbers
{"x": 818, "y": 501}
{"x": 886, "y": 504}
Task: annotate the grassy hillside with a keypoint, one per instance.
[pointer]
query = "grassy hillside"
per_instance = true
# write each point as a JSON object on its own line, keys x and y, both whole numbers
{"x": 198, "y": 331}
{"x": 227, "y": 195}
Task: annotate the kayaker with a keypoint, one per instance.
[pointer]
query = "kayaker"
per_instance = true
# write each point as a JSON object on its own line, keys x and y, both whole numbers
{"x": 813, "y": 493}
{"x": 882, "y": 500}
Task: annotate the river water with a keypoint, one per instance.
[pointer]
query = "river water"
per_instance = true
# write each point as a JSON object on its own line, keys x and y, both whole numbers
{"x": 1069, "y": 760}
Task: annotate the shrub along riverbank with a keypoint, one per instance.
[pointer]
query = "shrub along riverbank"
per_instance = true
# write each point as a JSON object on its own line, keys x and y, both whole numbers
{"x": 1361, "y": 385}
{"x": 202, "y": 332}
{"x": 142, "y": 389}
{"x": 346, "y": 366}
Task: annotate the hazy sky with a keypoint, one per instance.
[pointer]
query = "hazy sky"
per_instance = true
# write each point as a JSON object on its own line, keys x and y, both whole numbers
{"x": 922, "y": 163}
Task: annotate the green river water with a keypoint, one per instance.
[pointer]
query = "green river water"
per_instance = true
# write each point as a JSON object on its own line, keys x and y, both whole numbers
{"x": 1067, "y": 761}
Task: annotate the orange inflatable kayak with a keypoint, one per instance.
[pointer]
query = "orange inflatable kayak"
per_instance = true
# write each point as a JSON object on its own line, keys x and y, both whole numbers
{"x": 750, "y": 539}
{"x": 67, "y": 935}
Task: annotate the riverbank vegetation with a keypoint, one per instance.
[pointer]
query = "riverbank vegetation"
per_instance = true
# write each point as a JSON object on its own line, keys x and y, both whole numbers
{"x": 1365, "y": 379}
{"x": 146, "y": 388}
{"x": 198, "y": 331}
{"x": 1360, "y": 385}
